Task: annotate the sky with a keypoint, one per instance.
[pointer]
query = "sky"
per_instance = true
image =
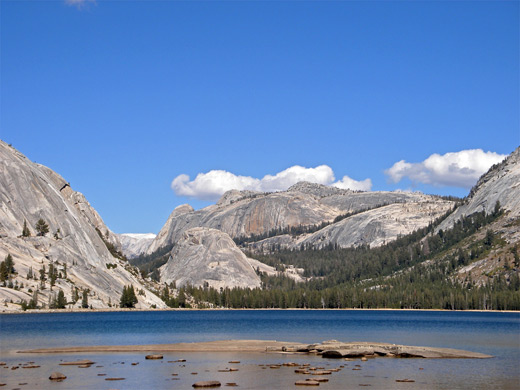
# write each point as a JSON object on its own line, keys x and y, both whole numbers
{"x": 146, "y": 105}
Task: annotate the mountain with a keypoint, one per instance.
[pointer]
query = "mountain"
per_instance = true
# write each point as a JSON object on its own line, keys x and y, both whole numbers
{"x": 135, "y": 244}
{"x": 205, "y": 256}
{"x": 501, "y": 183}
{"x": 307, "y": 207}
{"x": 374, "y": 227}
{"x": 78, "y": 244}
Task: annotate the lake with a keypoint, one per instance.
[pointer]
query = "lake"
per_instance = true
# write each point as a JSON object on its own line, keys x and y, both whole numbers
{"x": 497, "y": 334}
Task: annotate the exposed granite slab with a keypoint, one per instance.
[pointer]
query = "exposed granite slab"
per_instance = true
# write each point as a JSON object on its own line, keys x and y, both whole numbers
{"x": 327, "y": 349}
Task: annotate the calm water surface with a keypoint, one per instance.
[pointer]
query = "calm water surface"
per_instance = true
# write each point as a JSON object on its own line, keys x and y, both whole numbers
{"x": 497, "y": 334}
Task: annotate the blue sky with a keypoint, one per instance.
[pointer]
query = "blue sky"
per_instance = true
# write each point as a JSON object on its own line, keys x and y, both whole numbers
{"x": 123, "y": 97}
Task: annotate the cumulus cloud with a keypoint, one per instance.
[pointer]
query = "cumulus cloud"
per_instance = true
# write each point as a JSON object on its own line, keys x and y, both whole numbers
{"x": 458, "y": 169}
{"x": 79, "y": 3}
{"x": 351, "y": 184}
{"x": 211, "y": 185}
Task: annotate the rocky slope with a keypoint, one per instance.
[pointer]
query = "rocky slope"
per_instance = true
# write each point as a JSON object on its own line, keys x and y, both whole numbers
{"x": 28, "y": 192}
{"x": 246, "y": 213}
{"x": 205, "y": 255}
{"x": 374, "y": 227}
{"x": 135, "y": 244}
{"x": 501, "y": 183}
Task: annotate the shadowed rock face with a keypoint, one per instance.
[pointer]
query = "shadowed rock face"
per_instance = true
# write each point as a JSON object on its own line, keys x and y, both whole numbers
{"x": 208, "y": 255}
{"x": 30, "y": 191}
{"x": 243, "y": 213}
{"x": 501, "y": 183}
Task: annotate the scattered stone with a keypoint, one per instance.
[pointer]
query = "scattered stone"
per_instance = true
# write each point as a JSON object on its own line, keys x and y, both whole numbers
{"x": 3, "y": 364}
{"x": 101, "y": 374}
{"x": 135, "y": 364}
{"x": 231, "y": 384}
{"x": 206, "y": 384}
{"x": 318, "y": 379}
{"x": 84, "y": 366}
{"x": 364, "y": 359}
{"x": 307, "y": 383}
{"x": 175, "y": 374}
{"x": 14, "y": 368}
{"x": 154, "y": 357}
{"x": 57, "y": 376}
{"x": 32, "y": 366}
{"x": 2, "y": 384}
{"x": 77, "y": 363}
{"x": 194, "y": 373}
{"x": 364, "y": 384}
{"x": 114, "y": 379}
{"x": 234, "y": 362}
{"x": 322, "y": 372}
{"x": 405, "y": 380}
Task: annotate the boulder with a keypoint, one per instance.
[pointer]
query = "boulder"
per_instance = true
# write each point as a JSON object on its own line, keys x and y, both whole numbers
{"x": 57, "y": 376}
{"x": 204, "y": 384}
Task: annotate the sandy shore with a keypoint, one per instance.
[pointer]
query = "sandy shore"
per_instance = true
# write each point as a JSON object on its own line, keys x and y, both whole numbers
{"x": 329, "y": 349}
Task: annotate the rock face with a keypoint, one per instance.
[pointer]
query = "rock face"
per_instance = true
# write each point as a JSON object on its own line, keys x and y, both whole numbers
{"x": 135, "y": 244}
{"x": 378, "y": 226}
{"x": 501, "y": 183}
{"x": 246, "y": 213}
{"x": 208, "y": 255}
{"x": 30, "y": 191}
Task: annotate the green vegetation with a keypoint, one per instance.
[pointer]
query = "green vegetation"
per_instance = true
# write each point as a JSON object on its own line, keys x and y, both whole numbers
{"x": 41, "y": 227}
{"x": 25, "y": 229}
{"x": 6, "y": 269}
{"x": 128, "y": 297}
{"x": 84, "y": 299}
{"x": 111, "y": 248}
{"x": 58, "y": 301}
{"x": 395, "y": 275}
{"x": 149, "y": 264}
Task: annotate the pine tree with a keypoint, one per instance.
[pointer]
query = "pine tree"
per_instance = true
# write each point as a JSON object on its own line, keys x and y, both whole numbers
{"x": 61, "y": 302}
{"x": 84, "y": 300}
{"x": 128, "y": 297}
{"x": 25, "y": 230}
{"x": 41, "y": 227}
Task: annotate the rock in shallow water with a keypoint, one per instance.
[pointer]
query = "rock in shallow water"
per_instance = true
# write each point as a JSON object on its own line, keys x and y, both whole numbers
{"x": 206, "y": 384}
{"x": 57, "y": 376}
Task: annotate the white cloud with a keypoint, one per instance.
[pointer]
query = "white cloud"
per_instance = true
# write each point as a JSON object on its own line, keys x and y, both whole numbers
{"x": 458, "y": 169}
{"x": 351, "y": 184}
{"x": 211, "y": 185}
{"x": 79, "y": 3}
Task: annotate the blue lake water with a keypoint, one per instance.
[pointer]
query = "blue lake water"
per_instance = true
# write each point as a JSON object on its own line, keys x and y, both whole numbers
{"x": 497, "y": 334}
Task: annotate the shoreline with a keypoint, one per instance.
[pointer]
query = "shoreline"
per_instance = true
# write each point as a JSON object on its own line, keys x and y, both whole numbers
{"x": 116, "y": 310}
{"x": 328, "y": 349}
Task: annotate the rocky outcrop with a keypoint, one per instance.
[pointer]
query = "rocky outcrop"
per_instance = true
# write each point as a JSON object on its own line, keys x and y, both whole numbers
{"x": 205, "y": 256}
{"x": 30, "y": 191}
{"x": 374, "y": 227}
{"x": 501, "y": 183}
{"x": 378, "y": 226}
{"x": 135, "y": 244}
{"x": 246, "y": 213}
